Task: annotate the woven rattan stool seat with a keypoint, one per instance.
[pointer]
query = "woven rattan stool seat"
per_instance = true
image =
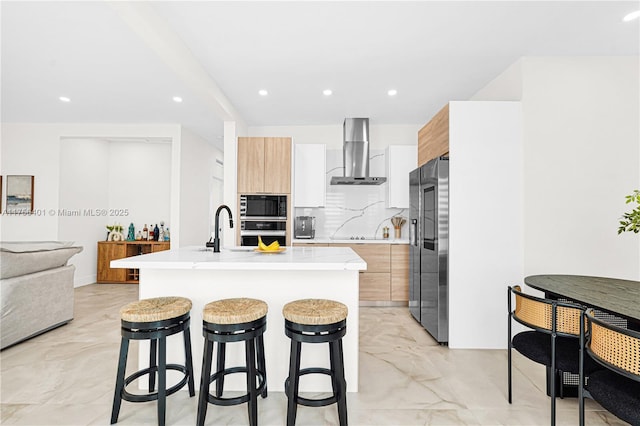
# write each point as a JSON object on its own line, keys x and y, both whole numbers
{"x": 234, "y": 311}
{"x": 156, "y": 309}
{"x": 315, "y": 311}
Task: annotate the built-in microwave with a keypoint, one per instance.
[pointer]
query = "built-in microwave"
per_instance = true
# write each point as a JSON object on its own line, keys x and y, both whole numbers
{"x": 263, "y": 207}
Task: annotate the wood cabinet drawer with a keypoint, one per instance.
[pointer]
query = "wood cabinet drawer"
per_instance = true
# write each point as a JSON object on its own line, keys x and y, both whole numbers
{"x": 375, "y": 286}
{"x": 106, "y": 253}
{"x": 399, "y": 273}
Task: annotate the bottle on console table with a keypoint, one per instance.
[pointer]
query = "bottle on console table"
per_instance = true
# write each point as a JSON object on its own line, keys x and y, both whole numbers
{"x": 145, "y": 232}
{"x": 156, "y": 233}
{"x": 150, "y": 233}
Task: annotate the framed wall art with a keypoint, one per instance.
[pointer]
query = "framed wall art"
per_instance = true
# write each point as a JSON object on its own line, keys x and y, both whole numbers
{"x": 19, "y": 194}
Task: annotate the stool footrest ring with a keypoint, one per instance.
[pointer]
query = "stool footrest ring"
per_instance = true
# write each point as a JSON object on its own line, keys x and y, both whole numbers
{"x": 152, "y": 396}
{"x": 217, "y": 400}
{"x": 312, "y": 402}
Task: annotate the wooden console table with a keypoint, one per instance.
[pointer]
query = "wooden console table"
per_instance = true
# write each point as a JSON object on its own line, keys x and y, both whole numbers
{"x": 112, "y": 250}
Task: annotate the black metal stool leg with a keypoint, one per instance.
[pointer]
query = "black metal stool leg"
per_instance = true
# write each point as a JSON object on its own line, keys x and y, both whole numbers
{"x": 250, "y": 355}
{"x": 261, "y": 363}
{"x": 205, "y": 382}
{"x": 332, "y": 367}
{"x": 188, "y": 362}
{"x": 220, "y": 360}
{"x": 162, "y": 380}
{"x": 338, "y": 371}
{"x": 294, "y": 380}
{"x": 122, "y": 364}
{"x": 152, "y": 364}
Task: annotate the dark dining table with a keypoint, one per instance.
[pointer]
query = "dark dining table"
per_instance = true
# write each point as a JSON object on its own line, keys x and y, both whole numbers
{"x": 618, "y": 300}
{"x": 614, "y": 296}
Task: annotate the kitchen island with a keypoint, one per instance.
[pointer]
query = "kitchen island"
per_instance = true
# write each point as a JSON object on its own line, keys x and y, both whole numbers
{"x": 276, "y": 278}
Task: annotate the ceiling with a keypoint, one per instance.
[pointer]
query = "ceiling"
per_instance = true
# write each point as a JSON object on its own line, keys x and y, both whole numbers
{"x": 122, "y": 62}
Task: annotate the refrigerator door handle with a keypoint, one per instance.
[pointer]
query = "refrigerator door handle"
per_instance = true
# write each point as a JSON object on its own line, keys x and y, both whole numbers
{"x": 414, "y": 232}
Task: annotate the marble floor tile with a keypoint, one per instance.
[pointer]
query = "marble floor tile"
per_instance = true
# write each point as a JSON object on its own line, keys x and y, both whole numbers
{"x": 66, "y": 377}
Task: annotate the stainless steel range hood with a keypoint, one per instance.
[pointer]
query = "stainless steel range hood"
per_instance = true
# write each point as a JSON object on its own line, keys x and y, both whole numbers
{"x": 355, "y": 155}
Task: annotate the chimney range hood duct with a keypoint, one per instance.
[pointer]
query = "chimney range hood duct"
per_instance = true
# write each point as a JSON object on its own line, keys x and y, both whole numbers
{"x": 355, "y": 155}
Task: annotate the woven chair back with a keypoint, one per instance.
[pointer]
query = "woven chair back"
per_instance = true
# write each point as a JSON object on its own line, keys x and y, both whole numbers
{"x": 539, "y": 314}
{"x": 614, "y": 347}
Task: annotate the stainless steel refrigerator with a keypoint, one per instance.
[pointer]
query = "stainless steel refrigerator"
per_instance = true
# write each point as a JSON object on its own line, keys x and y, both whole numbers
{"x": 429, "y": 247}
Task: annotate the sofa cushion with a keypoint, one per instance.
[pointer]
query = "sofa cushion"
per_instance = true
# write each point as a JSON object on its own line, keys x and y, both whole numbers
{"x": 22, "y": 258}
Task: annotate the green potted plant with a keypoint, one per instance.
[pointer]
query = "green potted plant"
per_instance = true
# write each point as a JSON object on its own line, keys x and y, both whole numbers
{"x": 631, "y": 220}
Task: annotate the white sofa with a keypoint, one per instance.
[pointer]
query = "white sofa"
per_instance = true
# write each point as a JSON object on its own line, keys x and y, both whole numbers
{"x": 36, "y": 288}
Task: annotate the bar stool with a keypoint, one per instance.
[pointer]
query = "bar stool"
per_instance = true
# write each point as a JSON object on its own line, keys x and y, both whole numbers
{"x": 316, "y": 321}
{"x": 226, "y": 321}
{"x": 154, "y": 320}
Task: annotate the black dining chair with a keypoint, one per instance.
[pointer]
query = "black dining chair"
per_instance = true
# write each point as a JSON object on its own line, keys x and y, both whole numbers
{"x": 554, "y": 340}
{"x": 617, "y": 386}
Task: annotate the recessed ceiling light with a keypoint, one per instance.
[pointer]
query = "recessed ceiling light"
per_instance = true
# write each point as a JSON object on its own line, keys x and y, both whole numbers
{"x": 631, "y": 16}
{"x": 392, "y": 92}
{"x": 177, "y": 99}
{"x": 262, "y": 92}
{"x": 327, "y": 92}
{"x": 64, "y": 99}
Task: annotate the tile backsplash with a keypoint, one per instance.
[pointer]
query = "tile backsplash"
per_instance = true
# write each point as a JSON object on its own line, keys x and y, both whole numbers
{"x": 354, "y": 210}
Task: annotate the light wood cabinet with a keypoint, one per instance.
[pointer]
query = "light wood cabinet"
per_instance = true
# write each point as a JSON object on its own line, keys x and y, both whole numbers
{"x": 433, "y": 138}
{"x": 110, "y": 250}
{"x": 375, "y": 282}
{"x": 375, "y": 286}
{"x": 377, "y": 256}
{"x": 400, "y": 273}
{"x": 264, "y": 165}
{"x": 250, "y": 165}
{"x": 387, "y": 276}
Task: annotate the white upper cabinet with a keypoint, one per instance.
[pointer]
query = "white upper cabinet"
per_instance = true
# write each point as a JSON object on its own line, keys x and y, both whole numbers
{"x": 401, "y": 159}
{"x": 310, "y": 176}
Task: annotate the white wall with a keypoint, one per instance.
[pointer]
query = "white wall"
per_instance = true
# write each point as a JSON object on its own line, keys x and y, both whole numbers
{"x": 485, "y": 217}
{"x": 198, "y": 167}
{"x": 582, "y": 155}
{"x": 84, "y": 184}
{"x": 139, "y": 183}
{"x": 582, "y": 149}
{"x": 129, "y": 180}
{"x": 35, "y": 149}
{"x": 232, "y": 130}
{"x": 32, "y": 150}
{"x": 505, "y": 87}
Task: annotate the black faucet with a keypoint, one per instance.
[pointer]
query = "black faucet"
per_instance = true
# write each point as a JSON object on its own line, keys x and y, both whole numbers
{"x": 216, "y": 240}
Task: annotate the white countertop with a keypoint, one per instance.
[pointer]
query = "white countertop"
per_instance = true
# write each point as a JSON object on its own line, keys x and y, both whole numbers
{"x": 244, "y": 258}
{"x": 350, "y": 241}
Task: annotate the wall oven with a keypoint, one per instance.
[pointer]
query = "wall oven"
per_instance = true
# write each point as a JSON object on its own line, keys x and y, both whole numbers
{"x": 264, "y": 216}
